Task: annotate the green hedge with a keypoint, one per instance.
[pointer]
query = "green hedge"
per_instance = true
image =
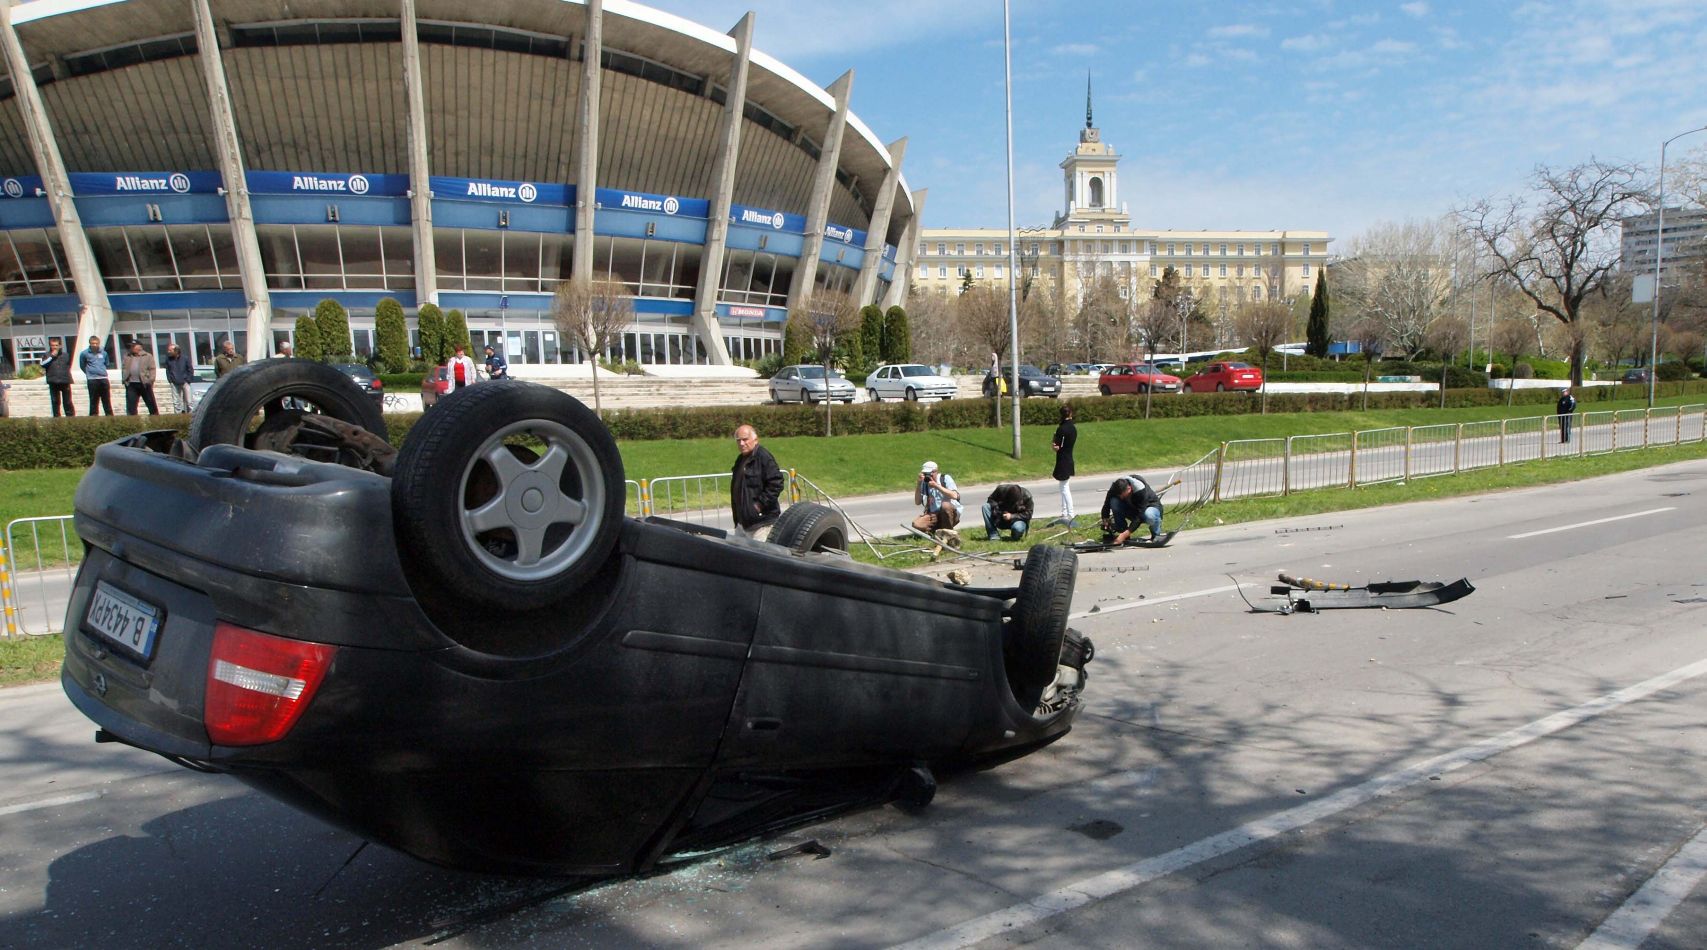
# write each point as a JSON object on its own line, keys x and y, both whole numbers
{"x": 71, "y": 443}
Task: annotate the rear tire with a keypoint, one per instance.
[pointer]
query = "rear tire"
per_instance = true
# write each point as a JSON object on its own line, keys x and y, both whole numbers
{"x": 1031, "y": 640}
{"x": 482, "y": 516}
{"x": 227, "y": 413}
{"x": 809, "y": 526}
{"x": 1220, "y": 388}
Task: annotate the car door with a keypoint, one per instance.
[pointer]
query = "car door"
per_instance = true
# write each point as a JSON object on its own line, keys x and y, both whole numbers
{"x": 786, "y": 385}
{"x": 886, "y": 379}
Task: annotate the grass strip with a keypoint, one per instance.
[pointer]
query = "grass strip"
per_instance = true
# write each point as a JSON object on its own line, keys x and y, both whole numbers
{"x": 31, "y": 659}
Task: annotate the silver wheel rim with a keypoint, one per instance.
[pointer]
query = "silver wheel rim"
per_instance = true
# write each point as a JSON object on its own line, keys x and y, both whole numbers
{"x": 530, "y": 502}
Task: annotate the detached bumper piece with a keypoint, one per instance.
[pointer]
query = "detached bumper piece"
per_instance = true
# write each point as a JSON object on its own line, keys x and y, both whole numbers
{"x": 1306, "y": 595}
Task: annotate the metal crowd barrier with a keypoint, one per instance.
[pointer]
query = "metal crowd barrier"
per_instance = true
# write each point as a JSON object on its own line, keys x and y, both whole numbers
{"x": 35, "y": 579}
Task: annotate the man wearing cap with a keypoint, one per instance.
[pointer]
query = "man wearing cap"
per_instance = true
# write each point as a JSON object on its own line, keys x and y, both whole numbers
{"x": 940, "y": 497}
{"x": 496, "y": 366}
{"x": 1566, "y": 406}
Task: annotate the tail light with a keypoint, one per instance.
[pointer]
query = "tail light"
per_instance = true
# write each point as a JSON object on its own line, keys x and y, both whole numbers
{"x": 378, "y": 383}
{"x": 257, "y": 684}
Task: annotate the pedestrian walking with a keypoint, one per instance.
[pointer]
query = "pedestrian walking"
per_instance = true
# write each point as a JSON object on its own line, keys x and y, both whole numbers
{"x": 1066, "y": 435}
{"x": 496, "y": 366}
{"x": 755, "y": 486}
{"x": 56, "y": 367}
{"x": 93, "y": 364}
{"x": 139, "y": 372}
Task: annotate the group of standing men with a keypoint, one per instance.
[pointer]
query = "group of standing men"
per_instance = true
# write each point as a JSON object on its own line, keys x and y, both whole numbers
{"x": 137, "y": 371}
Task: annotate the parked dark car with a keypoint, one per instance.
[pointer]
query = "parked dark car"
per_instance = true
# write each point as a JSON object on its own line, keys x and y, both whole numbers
{"x": 480, "y": 661}
{"x": 1033, "y": 382}
{"x": 1637, "y": 375}
{"x": 362, "y": 375}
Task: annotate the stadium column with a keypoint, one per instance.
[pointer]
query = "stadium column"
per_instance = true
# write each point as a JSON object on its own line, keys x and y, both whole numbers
{"x": 723, "y": 182}
{"x": 587, "y": 142}
{"x": 806, "y": 270}
{"x": 906, "y": 255}
{"x": 230, "y": 154}
{"x": 866, "y": 285}
{"x": 420, "y": 172}
{"x": 97, "y": 315}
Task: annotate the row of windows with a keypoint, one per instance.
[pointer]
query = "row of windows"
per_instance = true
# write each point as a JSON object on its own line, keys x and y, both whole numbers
{"x": 1117, "y": 247}
{"x": 166, "y": 257}
{"x": 335, "y": 256}
{"x": 1107, "y": 267}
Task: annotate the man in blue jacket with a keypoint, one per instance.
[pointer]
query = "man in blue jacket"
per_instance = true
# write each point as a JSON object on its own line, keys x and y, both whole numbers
{"x": 179, "y": 375}
{"x": 93, "y": 364}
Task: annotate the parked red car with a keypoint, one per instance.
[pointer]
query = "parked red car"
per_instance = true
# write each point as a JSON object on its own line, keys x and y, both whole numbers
{"x": 1136, "y": 378}
{"x": 1220, "y": 377}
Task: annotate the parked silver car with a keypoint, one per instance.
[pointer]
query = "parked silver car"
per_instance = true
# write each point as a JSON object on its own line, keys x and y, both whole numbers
{"x": 804, "y": 383}
{"x": 909, "y": 381}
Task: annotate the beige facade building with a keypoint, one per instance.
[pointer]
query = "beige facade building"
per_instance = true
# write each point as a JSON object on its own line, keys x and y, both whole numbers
{"x": 1093, "y": 237}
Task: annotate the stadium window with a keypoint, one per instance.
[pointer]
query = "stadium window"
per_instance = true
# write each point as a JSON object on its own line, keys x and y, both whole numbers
{"x": 130, "y": 54}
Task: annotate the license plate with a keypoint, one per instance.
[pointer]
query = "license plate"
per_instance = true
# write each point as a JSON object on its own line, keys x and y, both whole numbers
{"x": 123, "y": 620}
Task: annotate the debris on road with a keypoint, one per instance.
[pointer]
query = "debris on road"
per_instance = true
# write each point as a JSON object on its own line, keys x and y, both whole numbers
{"x": 809, "y": 846}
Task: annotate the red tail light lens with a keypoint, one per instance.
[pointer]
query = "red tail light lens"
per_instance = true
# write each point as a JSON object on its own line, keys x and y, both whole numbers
{"x": 257, "y": 684}
{"x": 378, "y": 383}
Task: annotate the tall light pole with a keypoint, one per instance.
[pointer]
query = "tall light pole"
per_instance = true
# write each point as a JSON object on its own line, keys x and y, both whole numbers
{"x": 1013, "y": 235}
{"x": 1659, "y": 262}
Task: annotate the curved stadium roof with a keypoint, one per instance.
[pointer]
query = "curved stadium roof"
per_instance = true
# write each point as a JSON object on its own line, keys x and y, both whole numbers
{"x": 318, "y": 85}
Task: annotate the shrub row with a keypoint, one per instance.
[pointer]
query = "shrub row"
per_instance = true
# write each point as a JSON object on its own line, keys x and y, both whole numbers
{"x": 71, "y": 443}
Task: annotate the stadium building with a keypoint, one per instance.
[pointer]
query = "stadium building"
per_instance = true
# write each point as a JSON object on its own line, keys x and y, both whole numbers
{"x": 195, "y": 170}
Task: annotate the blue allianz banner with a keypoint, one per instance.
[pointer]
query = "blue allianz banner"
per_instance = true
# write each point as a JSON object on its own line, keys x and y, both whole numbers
{"x": 145, "y": 183}
{"x": 765, "y": 218}
{"x": 328, "y": 183}
{"x": 22, "y": 186}
{"x": 853, "y": 237}
{"x": 488, "y": 189}
{"x": 609, "y": 199}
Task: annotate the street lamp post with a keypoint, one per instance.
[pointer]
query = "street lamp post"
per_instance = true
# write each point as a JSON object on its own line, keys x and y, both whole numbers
{"x": 1659, "y": 264}
{"x": 1013, "y": 234}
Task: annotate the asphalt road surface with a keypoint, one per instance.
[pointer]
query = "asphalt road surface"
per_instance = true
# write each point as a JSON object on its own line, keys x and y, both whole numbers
{"x": 1522, "y": 768}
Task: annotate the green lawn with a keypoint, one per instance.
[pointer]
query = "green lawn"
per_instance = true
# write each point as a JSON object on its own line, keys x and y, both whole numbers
{"x": 30, "y": 659}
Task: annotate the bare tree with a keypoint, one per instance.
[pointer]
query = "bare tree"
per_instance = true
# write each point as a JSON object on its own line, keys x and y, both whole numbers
{"x": 982, "y": 316}
{"x": 1262, "y": 327}
{"x": 828, "y": 316}
{"x": 1446, "y": 336}
{"x": 1101, "y": 322}
{"x": 1562, "y": 246}
{"x": 1621, "y": 328}
{"x": 592, "y": 313}
{"x": 1370, "y": 335}
{"x": 1158, "y": 326}
{"x": 1400, "y": 274}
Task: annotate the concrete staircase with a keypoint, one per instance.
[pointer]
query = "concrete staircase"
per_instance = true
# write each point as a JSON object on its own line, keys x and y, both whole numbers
{"x": 28, "y": 397}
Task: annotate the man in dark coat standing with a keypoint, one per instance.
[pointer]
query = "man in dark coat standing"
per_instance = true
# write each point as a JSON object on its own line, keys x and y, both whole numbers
{"x": 1566, "y": 406}
{"x": 57, "y": 367}
{"x": 1065, "y": 435}
{"x": 754, "y": 487}
{"x": 179, "y": 374}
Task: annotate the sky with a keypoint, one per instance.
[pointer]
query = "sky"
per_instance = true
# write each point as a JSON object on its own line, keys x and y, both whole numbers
{"x": 1299, "y": 114}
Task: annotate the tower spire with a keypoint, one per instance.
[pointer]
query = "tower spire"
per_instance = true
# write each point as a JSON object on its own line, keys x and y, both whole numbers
{"x": 1088, "y": 122}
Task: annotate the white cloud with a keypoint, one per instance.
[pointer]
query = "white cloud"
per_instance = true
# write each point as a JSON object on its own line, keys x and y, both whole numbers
{"x": 1238, "y": 30}
{"x": 1075, "y": 49}
{"x": 1418, "y": 9}
{"x": 1308, "y": 43}
{"x": 1197, "y": 59}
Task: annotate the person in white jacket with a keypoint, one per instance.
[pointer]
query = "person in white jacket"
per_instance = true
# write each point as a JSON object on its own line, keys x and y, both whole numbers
{"x": 461, "y": 369}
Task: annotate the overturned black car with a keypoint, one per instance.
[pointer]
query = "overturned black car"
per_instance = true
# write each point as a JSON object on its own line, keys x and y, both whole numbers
{"x": 478, "y": 660}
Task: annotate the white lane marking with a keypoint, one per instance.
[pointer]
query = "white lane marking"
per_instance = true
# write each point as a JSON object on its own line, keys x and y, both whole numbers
{"x": 1586, "y": 524}
{"x": 1151, "y": 602}
{"x": 1110, "y": 883}
{"x": 1646, "y": 909}
{"x": 48, "y": 802}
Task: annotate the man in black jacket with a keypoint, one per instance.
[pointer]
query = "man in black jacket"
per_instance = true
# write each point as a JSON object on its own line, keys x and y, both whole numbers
{"x": 1566, "y": 406}
{"x": 1009, "y": 506}
{"x": 179, "y": 374}
{"x": 1130, "y": 500}
{"x": 754, "y": 487}
{"x": 56, "y": 366}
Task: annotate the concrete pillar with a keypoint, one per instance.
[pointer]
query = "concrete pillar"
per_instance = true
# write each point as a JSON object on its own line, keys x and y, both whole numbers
{"x": 587, "y": 141}
{"x": 819, "y": 212}
{"x": 96, "y": 318}
{"x": 230, "y": 155}
{"x": 866, "y": 286}
{"x": 723, "y": 194}
{"x": 907, "y": 254}
{"x": 420, "y": 172}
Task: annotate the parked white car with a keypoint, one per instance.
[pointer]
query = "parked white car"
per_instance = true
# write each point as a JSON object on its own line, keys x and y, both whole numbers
{"x": 801, "y": 383}
{"x": 909, "y": 381}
